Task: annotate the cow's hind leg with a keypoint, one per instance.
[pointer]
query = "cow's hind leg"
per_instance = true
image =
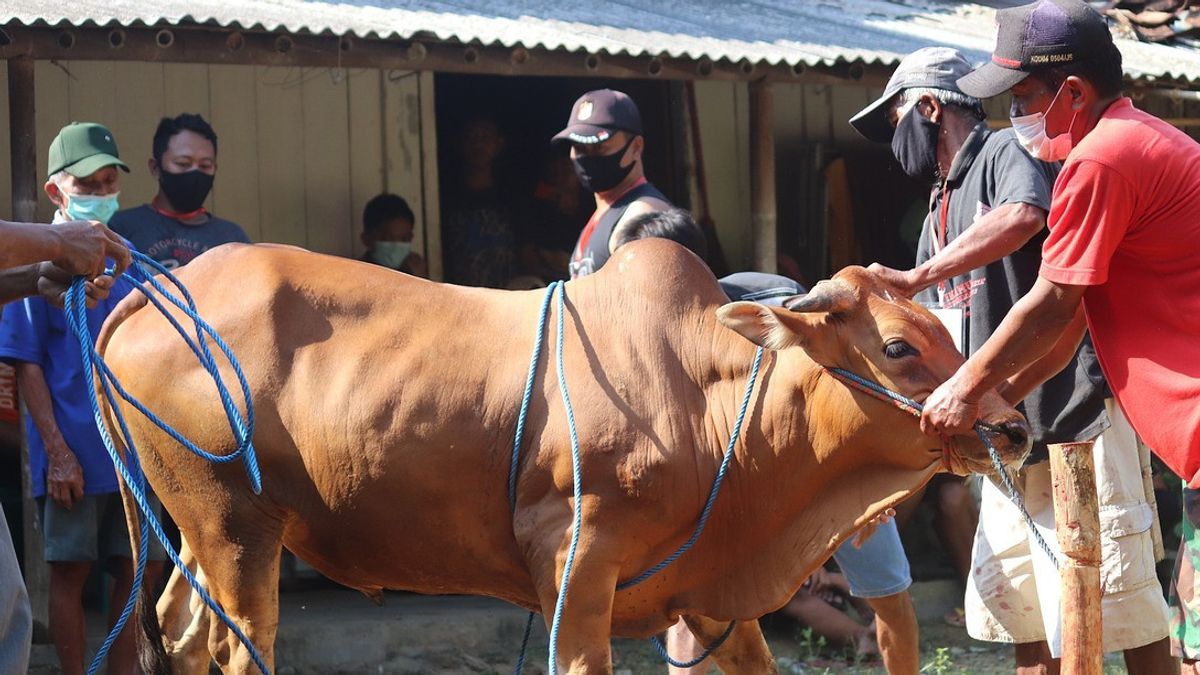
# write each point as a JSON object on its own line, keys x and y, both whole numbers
{"x": 745, "y": 652}
{"x": 243, "y": 577}
{"x": 185, "y": 619}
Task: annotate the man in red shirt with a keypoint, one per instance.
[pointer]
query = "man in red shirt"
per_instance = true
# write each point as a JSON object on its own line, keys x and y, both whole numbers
{"x": 1124, "y": 242}
{"x": 605, "y": 134}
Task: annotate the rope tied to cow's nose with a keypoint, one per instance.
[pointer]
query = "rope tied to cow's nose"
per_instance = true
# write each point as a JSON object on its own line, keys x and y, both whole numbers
{"x": 982, "y": 429}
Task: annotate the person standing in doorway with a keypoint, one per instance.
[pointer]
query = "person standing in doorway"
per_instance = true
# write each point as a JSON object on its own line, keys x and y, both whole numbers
{"x": 605, "y": 135}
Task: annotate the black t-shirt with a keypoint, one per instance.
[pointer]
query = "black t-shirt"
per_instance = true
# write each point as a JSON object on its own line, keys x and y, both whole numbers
{"x": 480, "y": 245}
{"x": 172, "y": 242}
{"x": 990, "y": 171}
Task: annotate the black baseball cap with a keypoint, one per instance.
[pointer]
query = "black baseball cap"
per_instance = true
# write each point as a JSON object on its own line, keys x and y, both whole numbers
{"x": 1033, "y": 37}
{"x": 4, "y": 39}
{"x": 933, "y": 67}
{"x": 597, "y": 114}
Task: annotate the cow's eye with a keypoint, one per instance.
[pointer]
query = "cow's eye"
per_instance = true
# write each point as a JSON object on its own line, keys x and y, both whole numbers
{"x": 898, "y": 349}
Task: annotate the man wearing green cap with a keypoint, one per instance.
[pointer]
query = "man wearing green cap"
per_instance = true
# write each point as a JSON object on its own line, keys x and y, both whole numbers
{"x": 82, "y": 515}
{"x": 84, "y": 183}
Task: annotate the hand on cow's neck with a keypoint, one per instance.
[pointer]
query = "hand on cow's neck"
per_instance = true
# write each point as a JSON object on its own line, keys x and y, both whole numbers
{"x": 956, "y": 127}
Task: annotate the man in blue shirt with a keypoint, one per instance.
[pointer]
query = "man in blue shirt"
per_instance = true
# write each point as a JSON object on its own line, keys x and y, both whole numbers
{"x": 83, "y": 519}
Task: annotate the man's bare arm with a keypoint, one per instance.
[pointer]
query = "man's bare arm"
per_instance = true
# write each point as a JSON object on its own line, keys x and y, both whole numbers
{"x": 18, "y": 282}
{"x": 1032, "y": 328}
{"x": 64, "y": 476}
{"x": 1016, "y": 388}
{"x": 79, "y": 247}
{"x": 998, "y": 233}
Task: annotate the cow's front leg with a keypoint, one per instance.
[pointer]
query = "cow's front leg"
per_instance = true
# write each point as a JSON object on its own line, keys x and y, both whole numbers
{"x": 585, "y": 626}
{"x": 745, "y": 652}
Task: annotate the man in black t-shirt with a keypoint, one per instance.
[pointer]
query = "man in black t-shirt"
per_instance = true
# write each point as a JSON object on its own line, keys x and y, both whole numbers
{"x": 605, "y": 133}
{"x": 979, "y": 252}
{"x": 175, "y": 227}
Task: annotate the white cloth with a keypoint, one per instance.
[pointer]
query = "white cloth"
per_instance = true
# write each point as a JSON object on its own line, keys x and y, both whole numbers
{"x": 1014, "y": 592}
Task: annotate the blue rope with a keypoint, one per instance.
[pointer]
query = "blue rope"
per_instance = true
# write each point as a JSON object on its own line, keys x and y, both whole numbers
{"x": 981, "y": 428}
{"x": 560, "y": 288}
{"x": 576, "y": 478}
{"x": 518, "y": 437}
{"x": 131, "y": 472}
{"x": 661, "y": 648}
{"x": 712, "y": 494}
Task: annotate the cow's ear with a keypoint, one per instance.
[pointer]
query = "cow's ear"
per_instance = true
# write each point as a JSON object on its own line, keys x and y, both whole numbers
{"x": 770, "y": 327}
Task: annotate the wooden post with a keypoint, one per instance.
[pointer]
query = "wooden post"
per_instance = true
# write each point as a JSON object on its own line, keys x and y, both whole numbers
{"x": 23, "y": 135}
{"x": 23, "y": 140}
{"x": 762, "y": 177}
{"x": 1077, "y": 525}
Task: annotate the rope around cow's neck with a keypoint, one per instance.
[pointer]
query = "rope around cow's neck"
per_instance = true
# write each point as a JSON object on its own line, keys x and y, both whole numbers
{"x": 560, "y": 288}
{"x": 131, "y": 471}
{"x": 910, "y": 406}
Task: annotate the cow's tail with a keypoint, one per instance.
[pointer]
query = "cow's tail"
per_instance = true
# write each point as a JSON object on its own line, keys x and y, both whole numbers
{"x": 151, "y": 651}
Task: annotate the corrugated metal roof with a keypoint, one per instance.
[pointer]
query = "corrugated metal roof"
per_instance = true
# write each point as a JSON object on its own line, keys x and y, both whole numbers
{"x": 792, "y": 32}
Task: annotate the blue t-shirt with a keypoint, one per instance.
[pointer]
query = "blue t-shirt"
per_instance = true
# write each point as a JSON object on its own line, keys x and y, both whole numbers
{"x": 32, "y": 331}
{"x": 170, "y": 241}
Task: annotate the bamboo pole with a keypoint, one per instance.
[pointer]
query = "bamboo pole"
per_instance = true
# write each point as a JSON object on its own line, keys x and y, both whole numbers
{"x": 762, "y": 177}
{"x": 1077, "y": 525}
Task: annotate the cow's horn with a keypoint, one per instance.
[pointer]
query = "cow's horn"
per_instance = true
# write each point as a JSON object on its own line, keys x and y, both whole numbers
{"x": 826, "y": 296}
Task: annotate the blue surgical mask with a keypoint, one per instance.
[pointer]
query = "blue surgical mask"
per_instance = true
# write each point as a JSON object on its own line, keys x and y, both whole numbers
{"x": 92, "y": 207}
{"x": 390, "y": 253}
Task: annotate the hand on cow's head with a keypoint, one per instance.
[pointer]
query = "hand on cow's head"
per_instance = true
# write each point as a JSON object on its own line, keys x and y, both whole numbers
{"x": 857, "y": 322}
{"x": 805, "y": 320}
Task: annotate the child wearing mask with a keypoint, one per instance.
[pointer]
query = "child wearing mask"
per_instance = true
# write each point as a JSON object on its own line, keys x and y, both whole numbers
{"x": 388, "y": 233}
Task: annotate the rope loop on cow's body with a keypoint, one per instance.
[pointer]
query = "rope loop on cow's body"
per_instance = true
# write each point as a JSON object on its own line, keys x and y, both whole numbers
{"x": 130, "y": 469}
{"x": 559, "y": 287}
{"x": 906, "y": 404}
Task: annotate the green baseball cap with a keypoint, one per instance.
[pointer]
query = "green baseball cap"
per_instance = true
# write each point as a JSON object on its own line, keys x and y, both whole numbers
{"x": 83, "y": 148}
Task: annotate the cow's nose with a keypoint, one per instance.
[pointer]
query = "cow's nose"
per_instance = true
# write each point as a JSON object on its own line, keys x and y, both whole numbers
{"x": 1016, "y": 432}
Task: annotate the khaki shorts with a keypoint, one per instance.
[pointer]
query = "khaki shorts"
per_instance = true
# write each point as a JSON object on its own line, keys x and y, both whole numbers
{"x": 1013, "y": 592}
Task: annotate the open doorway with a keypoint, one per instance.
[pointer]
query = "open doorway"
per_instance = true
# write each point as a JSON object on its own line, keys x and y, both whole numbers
{"x": 511, "y": 208}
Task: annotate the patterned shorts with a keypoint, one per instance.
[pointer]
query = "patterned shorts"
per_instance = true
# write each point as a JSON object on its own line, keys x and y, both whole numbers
{"x": 1185, "y": 586}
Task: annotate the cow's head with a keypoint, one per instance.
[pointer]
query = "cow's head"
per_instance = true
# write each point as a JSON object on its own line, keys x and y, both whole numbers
{"x": 857, "y": 323}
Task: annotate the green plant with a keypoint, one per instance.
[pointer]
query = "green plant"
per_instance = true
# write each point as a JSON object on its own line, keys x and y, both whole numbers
{"x": 812, "y": 644}
{"x": 941, "y": 663}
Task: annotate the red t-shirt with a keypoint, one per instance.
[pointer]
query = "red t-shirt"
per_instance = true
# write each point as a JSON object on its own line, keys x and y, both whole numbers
{"x": 1125, "y": 221}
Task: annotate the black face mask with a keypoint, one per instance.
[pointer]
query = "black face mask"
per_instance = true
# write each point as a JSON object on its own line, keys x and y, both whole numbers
{"x": 600, "y": 173}
{"x": 186, "y": 191}
{"x": 915, "y": 145}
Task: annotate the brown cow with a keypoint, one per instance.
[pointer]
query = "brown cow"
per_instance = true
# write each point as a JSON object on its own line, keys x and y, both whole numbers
{"x": 386, "y": 409}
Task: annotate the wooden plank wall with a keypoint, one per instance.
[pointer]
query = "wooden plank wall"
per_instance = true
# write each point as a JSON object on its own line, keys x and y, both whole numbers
{"x": 804, "y": 114}
{"x": 301, "y": 150}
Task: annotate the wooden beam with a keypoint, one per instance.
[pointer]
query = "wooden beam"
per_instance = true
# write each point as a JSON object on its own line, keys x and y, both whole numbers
{"x": 762, "y": 177}
{"x": 1077, "y": 525}
{"x": 185, "y": 44}
{"x": 22, "y": 131}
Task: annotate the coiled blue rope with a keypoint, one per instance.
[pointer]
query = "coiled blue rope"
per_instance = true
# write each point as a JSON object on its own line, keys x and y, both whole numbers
{"x": 130, "y": 471}
{"x": 560, "y": 288}
{"x": 981, "y": 428}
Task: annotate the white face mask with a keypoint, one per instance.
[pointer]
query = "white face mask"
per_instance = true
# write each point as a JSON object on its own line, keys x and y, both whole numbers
{"x": 1031, "y": 132}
